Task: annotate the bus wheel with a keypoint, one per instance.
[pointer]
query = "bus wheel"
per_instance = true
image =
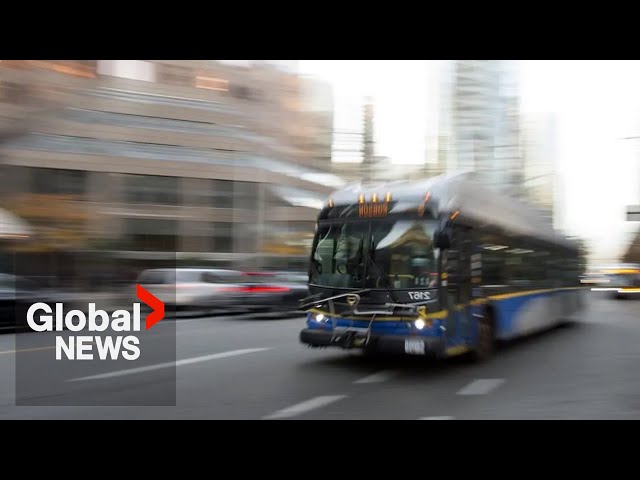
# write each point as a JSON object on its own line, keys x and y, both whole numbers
{"x": 486, "y": 339}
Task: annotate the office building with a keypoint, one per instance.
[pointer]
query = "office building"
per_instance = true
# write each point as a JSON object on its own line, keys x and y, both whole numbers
{"x": 157, "y": 159}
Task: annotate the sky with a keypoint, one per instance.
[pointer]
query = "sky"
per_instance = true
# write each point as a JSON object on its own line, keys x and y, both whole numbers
{"x": 596, "y": 104}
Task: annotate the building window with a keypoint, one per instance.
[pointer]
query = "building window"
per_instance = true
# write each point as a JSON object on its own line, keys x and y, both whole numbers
{"x": 213, "y": 237}
{"x": 245, "y": 194}
{"x": 198, "y": 192}
{"x": 151, "y": 234}
{"x": 58, "y": 181}
{"x": 151, "y": 189}
{"x": 223, "y": 193}
{"x": 222, "y": 238}
{"x": 175, "y": 75}
{"x": 210, "y": 82}
{"x": 197, "y": 236}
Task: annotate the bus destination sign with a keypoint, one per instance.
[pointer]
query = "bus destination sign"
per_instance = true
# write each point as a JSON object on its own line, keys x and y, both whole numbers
{"x": 373, "y": 210}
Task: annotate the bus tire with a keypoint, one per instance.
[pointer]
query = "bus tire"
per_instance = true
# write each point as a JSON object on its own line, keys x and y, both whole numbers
{"x": 486, "y": 338}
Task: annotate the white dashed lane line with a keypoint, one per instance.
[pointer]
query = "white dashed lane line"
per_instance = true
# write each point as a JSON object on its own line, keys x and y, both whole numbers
{"x": 179, "y": 363}
{"x": 378, "y": 377}
{"x": 438, "y": 418}
{"x": 481, "y": 386}
{"x": 304, "y": 407}
{"x": 35, "y": 349}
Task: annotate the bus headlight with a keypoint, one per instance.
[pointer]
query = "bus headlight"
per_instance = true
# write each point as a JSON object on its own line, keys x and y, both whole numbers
{"x": 419, "y": 324}
{"x": 319, "y": 317}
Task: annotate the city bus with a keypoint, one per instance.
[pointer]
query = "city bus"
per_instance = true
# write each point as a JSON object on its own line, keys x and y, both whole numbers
{"x": 442, "y": 266}
{"x": 621, "y": 280}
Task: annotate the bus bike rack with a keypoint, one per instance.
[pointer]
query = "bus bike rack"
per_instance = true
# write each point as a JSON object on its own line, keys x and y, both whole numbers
{"x": 332, "y": 311}
{"x": 373, "y": 313}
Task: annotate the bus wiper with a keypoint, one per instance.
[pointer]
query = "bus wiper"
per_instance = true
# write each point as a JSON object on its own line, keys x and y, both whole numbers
{"x": 318, "y": 299}
{"x": 381, "y": 274}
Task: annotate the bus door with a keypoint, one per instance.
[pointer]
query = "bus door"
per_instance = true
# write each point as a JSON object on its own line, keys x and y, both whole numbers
{"x": 458, "y": 271}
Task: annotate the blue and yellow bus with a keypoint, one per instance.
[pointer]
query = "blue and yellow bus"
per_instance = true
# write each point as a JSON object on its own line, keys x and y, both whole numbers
{"x": 621, "y": 280}
{"x": 441, "y": 267}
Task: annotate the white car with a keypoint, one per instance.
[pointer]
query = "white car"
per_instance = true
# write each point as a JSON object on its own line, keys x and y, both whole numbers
{"x": 193, "y": 289}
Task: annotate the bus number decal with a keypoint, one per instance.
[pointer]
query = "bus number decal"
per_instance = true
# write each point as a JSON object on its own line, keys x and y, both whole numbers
{"x": 419, "y": 296}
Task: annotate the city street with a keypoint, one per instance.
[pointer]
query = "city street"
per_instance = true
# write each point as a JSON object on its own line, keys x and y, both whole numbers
{"x": 246, "y": 368}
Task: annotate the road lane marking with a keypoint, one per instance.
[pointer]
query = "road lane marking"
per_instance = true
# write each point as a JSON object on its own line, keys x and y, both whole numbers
{"x": 378, "y": 377}
{"x": 179, "y": 363}
{"x": 27, "y": 350}
{"x": 438, "y": 418}
{"x": 481, "y": 386}
{"x": 303, "y": 407}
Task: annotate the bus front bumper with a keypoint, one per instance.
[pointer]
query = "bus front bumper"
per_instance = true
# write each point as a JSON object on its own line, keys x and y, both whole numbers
{"x": 393, "y": 344}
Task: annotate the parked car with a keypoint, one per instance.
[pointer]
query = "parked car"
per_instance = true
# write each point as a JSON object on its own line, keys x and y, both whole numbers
{"x": 193, "y": 289}
{"x": 275, "y": 291}
{"x": 16, "y": 293}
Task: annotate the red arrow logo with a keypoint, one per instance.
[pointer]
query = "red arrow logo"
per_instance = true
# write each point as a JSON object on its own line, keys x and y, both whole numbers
{"x": 152, "y": 301}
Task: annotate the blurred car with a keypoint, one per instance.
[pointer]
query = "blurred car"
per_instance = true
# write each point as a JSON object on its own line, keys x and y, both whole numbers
{"x": 273, "y": 291}
{"x": 193, "y": 289}
{"x": 15, "y": 293}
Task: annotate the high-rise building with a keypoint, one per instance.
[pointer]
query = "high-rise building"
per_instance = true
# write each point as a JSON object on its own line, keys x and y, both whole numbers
{"x": 474, "y": 121}
{"x": 318, "y": 105}
{"x": 475, "y": 111}
{"x": 439, "y": 134}
{"x": 541, "y": 182}
{"x": 508, "y": 155}
{"x": 354, "y": 152}
{"x": 368, "y": 148}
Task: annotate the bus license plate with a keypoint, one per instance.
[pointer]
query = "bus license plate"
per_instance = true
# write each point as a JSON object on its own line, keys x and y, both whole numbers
{"x": 414, "y": 346}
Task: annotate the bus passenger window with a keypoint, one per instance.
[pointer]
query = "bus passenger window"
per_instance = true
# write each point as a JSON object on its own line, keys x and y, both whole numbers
{"x": 494, "y": 268}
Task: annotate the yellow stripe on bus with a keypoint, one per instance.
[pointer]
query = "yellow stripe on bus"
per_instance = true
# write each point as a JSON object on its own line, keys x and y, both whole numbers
{"x": 504, "y": 296}
{"x": 429, "y": 316}
{"x": 478, "y": 301}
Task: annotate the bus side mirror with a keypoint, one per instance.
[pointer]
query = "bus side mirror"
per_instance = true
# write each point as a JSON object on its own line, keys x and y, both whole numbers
{"x": 442, "y": 239}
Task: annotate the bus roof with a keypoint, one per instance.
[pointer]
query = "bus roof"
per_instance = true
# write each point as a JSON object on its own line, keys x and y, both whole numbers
{"x": 462, "y": 192}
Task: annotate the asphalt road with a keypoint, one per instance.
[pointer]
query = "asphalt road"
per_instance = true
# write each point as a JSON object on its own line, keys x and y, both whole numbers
{"x": 245, "y": 368}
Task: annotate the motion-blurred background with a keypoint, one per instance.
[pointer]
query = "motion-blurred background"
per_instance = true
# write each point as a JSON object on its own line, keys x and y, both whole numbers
{"x": 109, "y": 168}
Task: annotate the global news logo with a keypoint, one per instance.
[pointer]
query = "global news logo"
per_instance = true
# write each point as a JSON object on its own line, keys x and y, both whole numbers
{"x": 87, "y": 347}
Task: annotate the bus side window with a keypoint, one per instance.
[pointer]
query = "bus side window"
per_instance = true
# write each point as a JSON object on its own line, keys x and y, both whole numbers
{"x": 451, "y": 256}
{"x": 538, "y": 267}
{"x": 465, "y": 266}
{"x": 458, "y": 267}
{"x": 553, "y": 268}
{"x": 520, "y": 259}
{"x": 493, "y": 259}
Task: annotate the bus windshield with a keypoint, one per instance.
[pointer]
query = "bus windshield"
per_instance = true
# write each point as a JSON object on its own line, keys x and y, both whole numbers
{"x": 396, "y": 254}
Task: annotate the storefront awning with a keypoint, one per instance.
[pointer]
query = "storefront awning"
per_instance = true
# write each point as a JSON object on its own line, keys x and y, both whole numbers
{"x": 12, "y": 226}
